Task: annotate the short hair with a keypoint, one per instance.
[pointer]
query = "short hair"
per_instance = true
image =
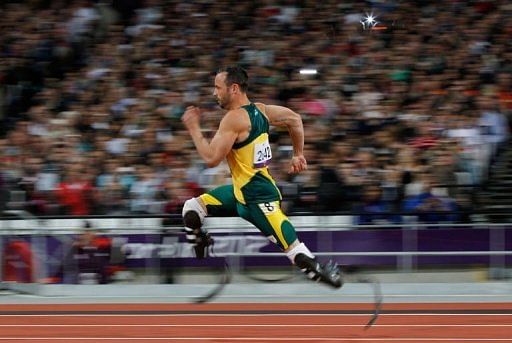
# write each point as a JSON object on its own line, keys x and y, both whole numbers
{"x": 238, "y": 75}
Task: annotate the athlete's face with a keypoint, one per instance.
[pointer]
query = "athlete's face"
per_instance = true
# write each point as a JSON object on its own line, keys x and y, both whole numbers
{"x": 222, "y": 92}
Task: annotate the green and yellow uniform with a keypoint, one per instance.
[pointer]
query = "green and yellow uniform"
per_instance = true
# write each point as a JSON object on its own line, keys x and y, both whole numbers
{"x": 254, "y": 195}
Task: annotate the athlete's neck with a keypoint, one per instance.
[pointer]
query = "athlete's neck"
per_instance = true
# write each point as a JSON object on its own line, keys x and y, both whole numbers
{"x": 240, "y": 101}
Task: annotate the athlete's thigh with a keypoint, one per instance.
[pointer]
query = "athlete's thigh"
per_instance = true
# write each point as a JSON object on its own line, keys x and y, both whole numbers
{"x": 271, "y": 221}
{"x": 220, "y": 201}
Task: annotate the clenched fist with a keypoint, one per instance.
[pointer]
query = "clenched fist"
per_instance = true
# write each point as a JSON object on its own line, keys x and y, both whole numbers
{"x": 298, "y": 164}
{"x": 191, "y": 118}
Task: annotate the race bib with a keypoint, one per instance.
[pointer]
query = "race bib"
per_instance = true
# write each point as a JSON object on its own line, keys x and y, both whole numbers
{"x": 269, "y": 208}
{"x": 262, "y": 154}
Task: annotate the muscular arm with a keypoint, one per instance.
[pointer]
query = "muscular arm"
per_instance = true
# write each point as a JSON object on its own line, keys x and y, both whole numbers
{"x": 283, "y": 116}
{"x": 215, "y": 151}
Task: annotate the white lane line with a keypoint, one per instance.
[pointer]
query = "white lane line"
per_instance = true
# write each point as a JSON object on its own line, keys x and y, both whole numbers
{"x": 259, "y": 339}
{"x": 259, "y": 315}
{"x": 228, "y": 296}
{"x": 253, "y": 325}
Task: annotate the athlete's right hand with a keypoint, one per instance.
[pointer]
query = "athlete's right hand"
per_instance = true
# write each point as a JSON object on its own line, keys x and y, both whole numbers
{"x": 191, "y": 118}
{"x": 298, "y": 164}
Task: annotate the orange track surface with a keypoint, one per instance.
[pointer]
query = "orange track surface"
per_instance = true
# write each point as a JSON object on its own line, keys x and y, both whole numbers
{"x": 228, "y": 323}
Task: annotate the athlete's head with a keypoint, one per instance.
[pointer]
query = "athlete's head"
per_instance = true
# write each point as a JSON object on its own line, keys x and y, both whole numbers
{"x": 230, "y": 82}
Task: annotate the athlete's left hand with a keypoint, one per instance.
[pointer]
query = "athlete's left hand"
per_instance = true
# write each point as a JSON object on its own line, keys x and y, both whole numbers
{"x": 191, "y": 118}
{"x": 298, "y": 164}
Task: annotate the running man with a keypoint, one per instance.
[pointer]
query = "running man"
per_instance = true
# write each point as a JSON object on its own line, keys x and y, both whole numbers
{"x": 243, "y": 138}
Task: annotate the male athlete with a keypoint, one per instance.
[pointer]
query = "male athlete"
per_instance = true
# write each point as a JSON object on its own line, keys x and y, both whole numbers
{"x": 242, "y": 138}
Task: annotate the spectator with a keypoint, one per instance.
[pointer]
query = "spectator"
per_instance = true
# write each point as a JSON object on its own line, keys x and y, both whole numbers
{"x": 144, "y": 191}
{"x": 493, "y": 124}
{"x": 433, "y": 208}
{"x": 373, "y": 208}
{"x": 330, "y": 189}
{"x": 91, "y": 254}
{"x": 3, "y": 192}
{"x": 75, "y": 191}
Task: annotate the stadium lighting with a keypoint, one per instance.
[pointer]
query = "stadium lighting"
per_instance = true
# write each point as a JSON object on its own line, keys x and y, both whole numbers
{"x": 307, "y": 71}
{"x": 369, "y": 21}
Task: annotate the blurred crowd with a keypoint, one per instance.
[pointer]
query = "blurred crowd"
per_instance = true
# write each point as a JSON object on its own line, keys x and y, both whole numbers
{"x": 405, "y": 117}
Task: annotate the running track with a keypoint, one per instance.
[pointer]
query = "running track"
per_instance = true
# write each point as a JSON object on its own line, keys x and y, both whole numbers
{"x": 250, "y": 322}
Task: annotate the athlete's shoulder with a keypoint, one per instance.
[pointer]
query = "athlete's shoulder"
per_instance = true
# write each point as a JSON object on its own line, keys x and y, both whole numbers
{"x": 235, "y": 114}
{"x": 234, "y": 118}
{"x": 261, "y": 106}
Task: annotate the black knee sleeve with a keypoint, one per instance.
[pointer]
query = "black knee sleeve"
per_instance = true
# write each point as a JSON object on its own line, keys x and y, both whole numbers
{"x": 199, "y": 238}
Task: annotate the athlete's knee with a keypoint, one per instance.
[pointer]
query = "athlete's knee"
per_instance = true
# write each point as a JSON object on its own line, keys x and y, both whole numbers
{"x": 297, "y": 248}
{"x": 292, "y": 245}
{"x": 193, "y": 216}
{"x": 193, "y": 213}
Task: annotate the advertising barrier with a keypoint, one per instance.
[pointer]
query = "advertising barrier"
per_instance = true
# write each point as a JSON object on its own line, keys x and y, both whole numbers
{"x": 61, "y": 252}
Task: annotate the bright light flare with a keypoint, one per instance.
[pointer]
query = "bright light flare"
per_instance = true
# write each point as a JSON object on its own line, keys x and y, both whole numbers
{"x": 308, "y": 71}
{"x": 369, "y": 21}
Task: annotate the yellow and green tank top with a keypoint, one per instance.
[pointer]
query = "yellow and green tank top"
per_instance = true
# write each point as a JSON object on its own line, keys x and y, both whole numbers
{"x": 248, "y": 161}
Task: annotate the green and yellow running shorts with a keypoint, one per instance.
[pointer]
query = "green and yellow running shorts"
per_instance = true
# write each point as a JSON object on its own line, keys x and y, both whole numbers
{"x": 266, "y": 216}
